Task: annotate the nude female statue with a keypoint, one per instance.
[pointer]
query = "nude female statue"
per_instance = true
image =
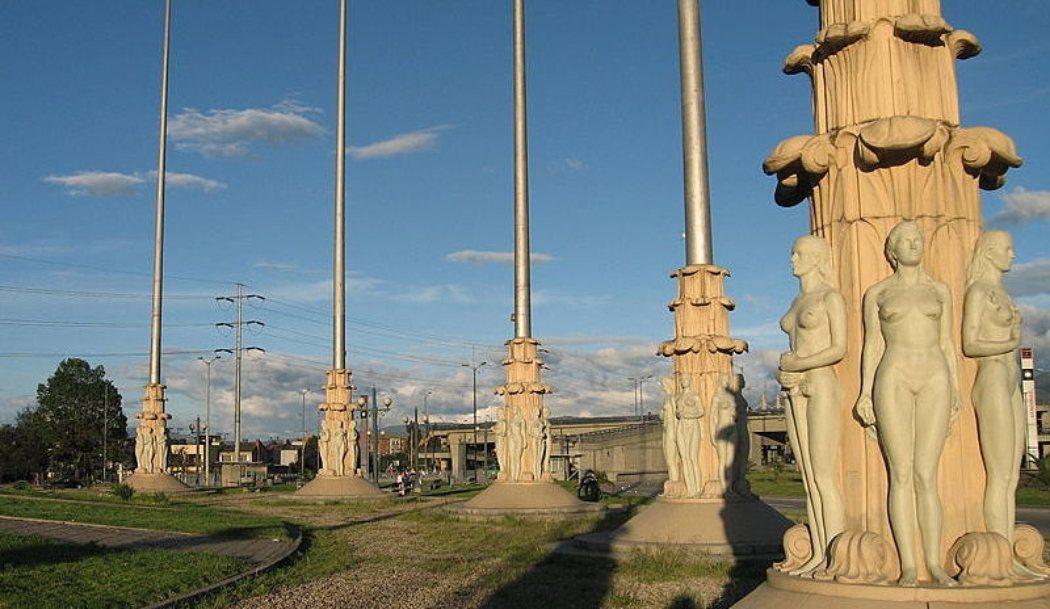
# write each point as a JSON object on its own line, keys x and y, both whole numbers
{"x": 499, "y": 430}
{"x": 149, "y": 450}
{"x": 548, "y": 439}
{"x": 991, "y": 332}
{"x": 160, "y": 450}
{"x": 690, "y": 430}
{"x": 816, "y": 328}
{"x": 515, "y": 445}
{"x": 141, "y": 440}
{"x": 324, "y": 448}
{"x": 669, "y": 416}
{"x": 351, "y": 440}
{"x": 909, "y": 391}
{"x": 724, "y": 429}
{"x": 339, "y": 448}
{"x": 743, "y": 440}
{"x": 536, "y": 441}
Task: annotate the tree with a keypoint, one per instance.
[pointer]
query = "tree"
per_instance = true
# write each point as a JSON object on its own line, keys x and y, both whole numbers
{"x": 66, "y": 425}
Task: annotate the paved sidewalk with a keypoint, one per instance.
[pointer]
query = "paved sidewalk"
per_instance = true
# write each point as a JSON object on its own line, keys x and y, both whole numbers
{"x": 257, "y": 551}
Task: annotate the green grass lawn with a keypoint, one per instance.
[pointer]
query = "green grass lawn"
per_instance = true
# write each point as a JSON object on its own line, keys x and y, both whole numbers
{"x": 174, "y": 516}
{"x": 43, "y": 574}
{"x": 787, "y": 484}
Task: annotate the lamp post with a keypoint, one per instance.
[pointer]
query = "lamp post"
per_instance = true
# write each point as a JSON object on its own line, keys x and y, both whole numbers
{"x": 207, "y": 416}
{"x": 474, "y": 373}
{"x": 374, "y": 432}
{"x": 302, "y": 449}
{"x": 426, "y": 421}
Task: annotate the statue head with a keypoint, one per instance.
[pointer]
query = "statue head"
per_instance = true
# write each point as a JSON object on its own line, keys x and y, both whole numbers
{"x": 904, "y": 245}
{"x": 740, "y": 383}
{"x": 667, "y": 384}
{"x": 812, "y": 254}
{"x": 994, "y": 250}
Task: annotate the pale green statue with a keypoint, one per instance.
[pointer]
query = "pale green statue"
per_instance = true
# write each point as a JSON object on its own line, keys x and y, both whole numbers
{"x": 909, "y": 392}
{"x": 816, "y": 328}
{"x": 991, "y": 333}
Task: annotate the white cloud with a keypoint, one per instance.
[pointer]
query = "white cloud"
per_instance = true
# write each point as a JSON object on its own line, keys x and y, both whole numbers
{"x": 97, "y": 183}
{"x": 1023, "y": 206}
{"x": 404, "y": 143}
{"x": 229, "y": 132}
{"x": 1029, "y": 278}
{"x": 1036, "y": 331}
{"x": 106, "y": 184}
{"x": 486, "y": 257}
{"x": 189, "y": 181}
{"x": 276, "y": 266}
{"x": 575, "y": 164}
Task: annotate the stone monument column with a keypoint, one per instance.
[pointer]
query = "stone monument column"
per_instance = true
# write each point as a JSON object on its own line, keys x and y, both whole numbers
{"x": 889, "y": 148}
{"x": 337, "y": 445}
{"x": 524, "y": 485}
{"x": 702, "y": 350}
{"x": 697, "y": 512}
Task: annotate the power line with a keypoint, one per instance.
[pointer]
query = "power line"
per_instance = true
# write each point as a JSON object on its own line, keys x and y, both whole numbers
{"x": 94, "y": 294}
{"x": 111, "y": 271}
{"x": 49, "y": 323}
{"x": 28, "y": 354}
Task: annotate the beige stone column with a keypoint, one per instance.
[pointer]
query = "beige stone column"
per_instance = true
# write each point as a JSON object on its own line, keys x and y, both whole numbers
{"x": 338, "y": 417}
{"x": 151, "y": 446}
{"x": 702, "y": 349}
{"x": 889, "y": 147}
{"x": 523, "y": 393}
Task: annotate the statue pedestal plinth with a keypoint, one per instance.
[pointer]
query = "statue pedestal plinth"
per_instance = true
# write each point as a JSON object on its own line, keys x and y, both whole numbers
{"x": 744, "y": 529}
{"x": 525, "y": 499}
{"x": 156, "y": 483}
{"x": 782, "y": 590}
{"x": 340, "y": 487}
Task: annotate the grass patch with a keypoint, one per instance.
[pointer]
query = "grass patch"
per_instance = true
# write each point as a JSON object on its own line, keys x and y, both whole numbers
{"x": 1036, "y": 497}
{"x": 788, "y": 484}
{"x": 43, "y": 574}
{"x": 182, "y": 517}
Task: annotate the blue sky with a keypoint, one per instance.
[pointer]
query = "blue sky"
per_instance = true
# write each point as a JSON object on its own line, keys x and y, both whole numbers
{"x": 251, "y": 151}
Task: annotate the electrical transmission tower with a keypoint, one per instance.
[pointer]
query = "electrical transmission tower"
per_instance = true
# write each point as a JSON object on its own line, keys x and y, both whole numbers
{"x": 238, "y": 326}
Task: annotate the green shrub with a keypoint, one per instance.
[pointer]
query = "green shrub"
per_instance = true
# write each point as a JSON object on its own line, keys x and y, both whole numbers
{"x": 124, "y": 491}
{"x": 21, "y": 485}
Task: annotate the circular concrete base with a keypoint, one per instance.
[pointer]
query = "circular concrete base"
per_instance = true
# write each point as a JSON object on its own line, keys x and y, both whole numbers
{"x": 156, "y": 483}
{"x": 524, "y": 499}
{"x": 782, "y": 590}
{"x": 339, "y": 487}
{"x": 742, "y": 530}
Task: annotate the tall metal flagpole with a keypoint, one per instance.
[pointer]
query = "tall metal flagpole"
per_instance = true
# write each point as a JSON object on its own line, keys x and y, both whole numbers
{"x": 158, "y": 239}
{"x": 698, "y": 248}
{"x": 522, "y": 262}
{"x": 151, "y": 441}
{"x": 339, "y": 267}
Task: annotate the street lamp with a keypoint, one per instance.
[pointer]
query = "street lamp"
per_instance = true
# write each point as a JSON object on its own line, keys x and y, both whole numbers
{"x": 426, "y": 421}
{"x": 207, "y": 416}
{"x": 474, "y": 372}
{"x": 302, "y": 449}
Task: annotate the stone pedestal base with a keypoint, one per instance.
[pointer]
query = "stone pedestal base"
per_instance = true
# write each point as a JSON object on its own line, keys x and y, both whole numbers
{"x": 340, "y": 487}
{"x": 525, "y": 499}
{"x": 786, "y": 591}
{"x": 740, "y": 530}
{"x": 156, "y": 483}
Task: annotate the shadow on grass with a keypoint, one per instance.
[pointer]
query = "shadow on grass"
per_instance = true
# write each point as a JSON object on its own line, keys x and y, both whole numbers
{"x": 562, "y": 581}
{"x": 41, "y": 552}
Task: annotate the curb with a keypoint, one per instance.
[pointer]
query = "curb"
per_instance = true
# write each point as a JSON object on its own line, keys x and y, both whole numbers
{"x": 256, "y": 570}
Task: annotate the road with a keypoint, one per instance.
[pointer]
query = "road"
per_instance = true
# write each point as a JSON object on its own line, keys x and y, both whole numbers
{"x": 1037, "y": 517}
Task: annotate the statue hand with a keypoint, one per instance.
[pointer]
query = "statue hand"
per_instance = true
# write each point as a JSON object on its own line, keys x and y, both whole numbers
{"x": 865, "y": 410}
{"x": 788, "y": 362}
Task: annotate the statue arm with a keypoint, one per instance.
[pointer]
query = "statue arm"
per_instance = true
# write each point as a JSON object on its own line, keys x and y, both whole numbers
{"x": 870, "y": 356}
{"x": 948, "y": 348}
{"x": 973, "y": 316}
{"x": 836, "y": 350}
